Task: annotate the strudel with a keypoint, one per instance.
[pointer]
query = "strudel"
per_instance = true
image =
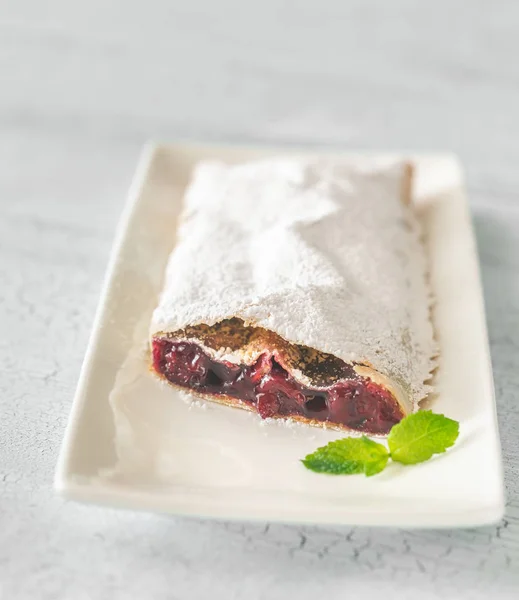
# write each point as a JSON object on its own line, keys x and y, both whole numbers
{"x": 298, "y": 289}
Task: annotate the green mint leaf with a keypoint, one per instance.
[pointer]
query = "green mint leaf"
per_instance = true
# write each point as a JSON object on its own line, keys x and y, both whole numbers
{"x": 420, "y": 435}
{"x": 348, "y": 456}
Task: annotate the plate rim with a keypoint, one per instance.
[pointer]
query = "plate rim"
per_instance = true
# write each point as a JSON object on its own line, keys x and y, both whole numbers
{"x": 72, "y": 487}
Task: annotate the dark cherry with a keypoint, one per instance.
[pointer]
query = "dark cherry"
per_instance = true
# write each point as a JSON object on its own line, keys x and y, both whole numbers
{"x": 359, "y": 404}
{"x": 268, "y": 405}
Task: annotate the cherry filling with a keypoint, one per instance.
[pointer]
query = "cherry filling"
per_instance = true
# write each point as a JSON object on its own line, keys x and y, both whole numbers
{"x": 358, "y": 404}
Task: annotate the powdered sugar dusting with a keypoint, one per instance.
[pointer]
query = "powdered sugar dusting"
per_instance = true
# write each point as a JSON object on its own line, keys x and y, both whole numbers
{"x": 191, "y": 400}
{"x": 323, "y": 252}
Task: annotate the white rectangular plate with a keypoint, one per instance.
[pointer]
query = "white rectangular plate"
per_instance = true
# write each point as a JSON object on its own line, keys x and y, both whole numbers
{"x": 135, "y": 442}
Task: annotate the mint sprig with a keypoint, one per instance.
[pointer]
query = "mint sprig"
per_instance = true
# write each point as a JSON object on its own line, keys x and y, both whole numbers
{"x": 420, "y": 435}
{"x": 415, "y": 439}
{"x": 348, "y": 456}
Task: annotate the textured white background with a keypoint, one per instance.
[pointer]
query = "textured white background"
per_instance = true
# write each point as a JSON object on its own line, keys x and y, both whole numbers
{"x": 82, "y": 86}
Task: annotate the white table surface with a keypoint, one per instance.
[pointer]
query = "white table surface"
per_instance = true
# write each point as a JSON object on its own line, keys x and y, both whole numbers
{"x": 82, "y": 86}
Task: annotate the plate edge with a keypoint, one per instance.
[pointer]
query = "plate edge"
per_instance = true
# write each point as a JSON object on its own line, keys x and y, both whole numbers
{"x": 62, "y": 481}
{"x": 144, "y": 164}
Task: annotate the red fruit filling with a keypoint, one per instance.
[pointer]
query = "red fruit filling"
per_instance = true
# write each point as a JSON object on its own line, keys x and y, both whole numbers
{"x": 357, "y": 404}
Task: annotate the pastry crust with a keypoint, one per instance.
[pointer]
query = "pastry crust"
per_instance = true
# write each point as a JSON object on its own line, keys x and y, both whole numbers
{"x": 317, "y": 263}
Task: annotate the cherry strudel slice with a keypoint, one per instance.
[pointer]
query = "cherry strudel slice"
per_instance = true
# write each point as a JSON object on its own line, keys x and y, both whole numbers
{"x": 297, "y": 289}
